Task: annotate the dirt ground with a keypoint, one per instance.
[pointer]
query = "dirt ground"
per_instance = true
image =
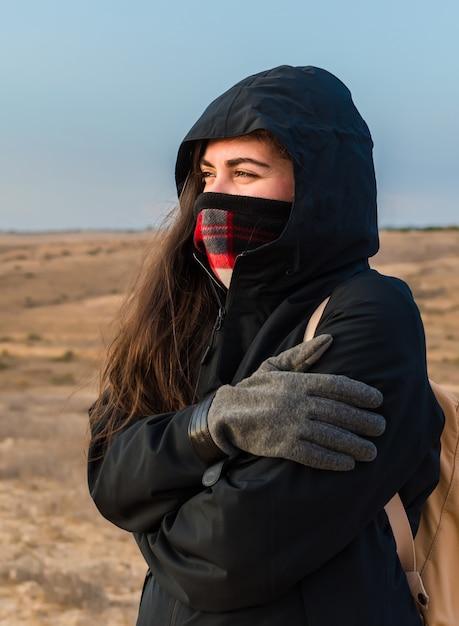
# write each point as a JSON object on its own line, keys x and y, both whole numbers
{"x": 62, "y": 563}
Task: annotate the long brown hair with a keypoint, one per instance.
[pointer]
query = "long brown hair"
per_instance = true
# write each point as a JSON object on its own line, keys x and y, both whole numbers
{"x": 163, "y": 324}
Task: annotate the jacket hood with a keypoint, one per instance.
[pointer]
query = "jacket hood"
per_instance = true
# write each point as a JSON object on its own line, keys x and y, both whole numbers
{"x": 333, "y": 222}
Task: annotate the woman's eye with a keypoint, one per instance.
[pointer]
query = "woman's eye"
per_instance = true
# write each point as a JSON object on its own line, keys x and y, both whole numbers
{"x": 242, "y": 174}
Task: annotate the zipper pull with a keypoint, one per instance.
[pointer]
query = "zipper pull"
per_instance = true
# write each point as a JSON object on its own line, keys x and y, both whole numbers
{"x": 216, "y": 328}
{"x": 220, "y": 318}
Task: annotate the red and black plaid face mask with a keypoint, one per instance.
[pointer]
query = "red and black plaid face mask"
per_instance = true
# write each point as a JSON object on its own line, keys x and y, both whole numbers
{"x": 227, "y": 225}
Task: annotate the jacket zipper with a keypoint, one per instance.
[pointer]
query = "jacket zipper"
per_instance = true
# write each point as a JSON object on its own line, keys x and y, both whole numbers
{"x": 208, "y": 351}
{"x": 217, "y": 326}
{"x": 221, "y": 311}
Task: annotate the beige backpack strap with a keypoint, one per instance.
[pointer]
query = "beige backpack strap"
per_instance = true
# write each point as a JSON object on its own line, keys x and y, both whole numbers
{"x": 315, "y": 319}
{"x": 405, "y": 549}
{"x": 402, "y": 533}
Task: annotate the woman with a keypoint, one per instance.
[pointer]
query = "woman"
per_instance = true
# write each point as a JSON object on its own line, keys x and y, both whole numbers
{"x": 226, "y": 484}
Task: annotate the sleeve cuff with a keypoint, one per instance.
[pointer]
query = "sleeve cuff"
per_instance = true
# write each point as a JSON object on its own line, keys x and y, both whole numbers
{"x": 198, "y": 432}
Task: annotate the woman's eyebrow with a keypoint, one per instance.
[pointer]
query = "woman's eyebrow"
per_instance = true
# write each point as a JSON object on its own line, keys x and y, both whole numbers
{"x": 233, "y": 162}
{"x": 238, "y": 161}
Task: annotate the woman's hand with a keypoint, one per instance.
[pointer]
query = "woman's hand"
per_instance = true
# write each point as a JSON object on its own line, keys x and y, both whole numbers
{"x": 282, "y": 411}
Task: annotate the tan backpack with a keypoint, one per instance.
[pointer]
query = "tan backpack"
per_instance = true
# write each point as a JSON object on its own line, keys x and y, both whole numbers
{"x": 431, "y": 559}
{"x": 433, "y": 556}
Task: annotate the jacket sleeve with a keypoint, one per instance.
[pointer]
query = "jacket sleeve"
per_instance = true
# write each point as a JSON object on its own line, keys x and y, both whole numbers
{"x": 149, "y": 470}
{"x": 268, "y": 523}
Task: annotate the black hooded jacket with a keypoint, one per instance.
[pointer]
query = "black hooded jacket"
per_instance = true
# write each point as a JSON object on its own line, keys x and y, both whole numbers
{"x": 273, "y": 542}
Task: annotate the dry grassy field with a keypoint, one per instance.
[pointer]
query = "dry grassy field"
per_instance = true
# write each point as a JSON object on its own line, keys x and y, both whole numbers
{"x": 61, "y": 562}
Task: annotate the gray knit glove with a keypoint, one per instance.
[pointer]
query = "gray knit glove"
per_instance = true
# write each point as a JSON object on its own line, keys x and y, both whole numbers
{"x": 281, "y": 411}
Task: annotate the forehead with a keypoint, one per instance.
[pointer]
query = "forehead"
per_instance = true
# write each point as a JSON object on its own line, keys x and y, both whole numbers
{"x": 240, "y": 147}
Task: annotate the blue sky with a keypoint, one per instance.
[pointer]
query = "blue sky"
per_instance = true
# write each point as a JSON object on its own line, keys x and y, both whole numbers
{"x": 96, "y": 96}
